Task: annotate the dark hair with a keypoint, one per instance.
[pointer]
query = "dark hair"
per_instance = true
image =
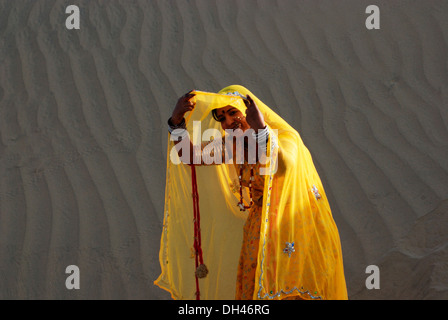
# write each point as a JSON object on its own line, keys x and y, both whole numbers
{"x": 215, "y": 116}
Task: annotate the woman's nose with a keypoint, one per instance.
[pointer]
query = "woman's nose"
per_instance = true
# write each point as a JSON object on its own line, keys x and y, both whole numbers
{"x": 229, "y": 121}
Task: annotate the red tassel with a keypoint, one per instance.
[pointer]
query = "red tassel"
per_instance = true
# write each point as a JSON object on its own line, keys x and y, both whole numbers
{"x": 201, "y": 269}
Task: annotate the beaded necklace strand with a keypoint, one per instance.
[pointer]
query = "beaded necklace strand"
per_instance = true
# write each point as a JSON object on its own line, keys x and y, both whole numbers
{"x": 240, "y": 177}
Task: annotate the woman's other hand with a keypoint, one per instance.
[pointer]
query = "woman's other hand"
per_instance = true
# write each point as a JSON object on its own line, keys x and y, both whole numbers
{"x": 254, "y": 117}
{"x": 183, "y": 105}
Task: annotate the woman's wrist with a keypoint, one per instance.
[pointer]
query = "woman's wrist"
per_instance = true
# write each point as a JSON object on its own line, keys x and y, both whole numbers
{"x": 261, "y": 136}
{"x": 259, "y": 127}
{"x": 260, "y": 132}
{"x": 176, "y": 121}
{"x": 177, "y": 128}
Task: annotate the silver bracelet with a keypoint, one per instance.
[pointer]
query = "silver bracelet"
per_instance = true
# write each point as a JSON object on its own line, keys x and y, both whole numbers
{"x": 263, "y": 133}
{"x": 262, "y": 139}
{"x": 178, "y": 130}
{"x": 177, "y": 126}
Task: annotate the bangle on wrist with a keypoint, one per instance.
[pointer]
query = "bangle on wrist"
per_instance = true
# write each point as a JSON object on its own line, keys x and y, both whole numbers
{"x": 262, "y": 138}
{"x": 176, "y": 126}
{"x": 262, "y": 134}
{"x": 179, "y": 130}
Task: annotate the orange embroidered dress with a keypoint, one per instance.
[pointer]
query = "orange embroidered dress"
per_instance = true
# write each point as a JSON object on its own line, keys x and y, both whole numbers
{"x": 247, "y": 264}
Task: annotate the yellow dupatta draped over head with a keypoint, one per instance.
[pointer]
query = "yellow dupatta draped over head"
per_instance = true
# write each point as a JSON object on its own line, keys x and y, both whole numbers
{"x": 299, "y": 249}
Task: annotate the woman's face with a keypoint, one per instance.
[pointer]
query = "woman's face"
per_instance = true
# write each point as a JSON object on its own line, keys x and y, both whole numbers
{"x": 231, "y": 118}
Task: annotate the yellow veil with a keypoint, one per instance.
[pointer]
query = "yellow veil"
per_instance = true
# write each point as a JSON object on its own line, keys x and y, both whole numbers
{"x": 299, "y": 249}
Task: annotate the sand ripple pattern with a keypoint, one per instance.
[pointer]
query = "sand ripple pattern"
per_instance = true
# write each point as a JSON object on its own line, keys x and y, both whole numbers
{"x": 83, "y": 135}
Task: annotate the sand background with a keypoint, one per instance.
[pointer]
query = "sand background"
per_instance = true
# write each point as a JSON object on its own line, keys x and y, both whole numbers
{"x": 83, "y": 131}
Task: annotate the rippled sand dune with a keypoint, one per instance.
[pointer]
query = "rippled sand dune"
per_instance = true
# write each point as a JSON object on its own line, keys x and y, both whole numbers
{"x": 83, "y": 131}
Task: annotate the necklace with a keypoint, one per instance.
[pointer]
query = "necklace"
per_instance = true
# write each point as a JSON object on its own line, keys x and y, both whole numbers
{"x": 240, "y": 177}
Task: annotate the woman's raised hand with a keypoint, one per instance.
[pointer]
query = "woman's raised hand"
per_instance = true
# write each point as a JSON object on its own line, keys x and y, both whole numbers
{"x": 254, "y": 117}
{"x": 183, "y": 105}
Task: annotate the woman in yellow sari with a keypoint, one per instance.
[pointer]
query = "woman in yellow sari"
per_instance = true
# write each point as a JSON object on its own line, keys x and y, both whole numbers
{"x": 266, "y": 226}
